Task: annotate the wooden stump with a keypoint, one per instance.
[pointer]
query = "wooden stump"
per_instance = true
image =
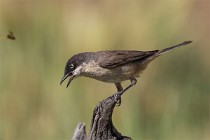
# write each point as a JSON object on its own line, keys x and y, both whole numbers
{"x": 102, "y": 127}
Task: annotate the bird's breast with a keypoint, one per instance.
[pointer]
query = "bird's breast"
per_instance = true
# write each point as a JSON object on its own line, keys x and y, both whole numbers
{"x": 113, "y": 75}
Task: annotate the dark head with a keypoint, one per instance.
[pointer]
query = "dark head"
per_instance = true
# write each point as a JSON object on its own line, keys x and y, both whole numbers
{"x": 73, "y": 67}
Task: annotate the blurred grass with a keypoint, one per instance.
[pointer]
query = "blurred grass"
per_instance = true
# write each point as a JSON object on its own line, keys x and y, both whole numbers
{"x": 170, "y": 101}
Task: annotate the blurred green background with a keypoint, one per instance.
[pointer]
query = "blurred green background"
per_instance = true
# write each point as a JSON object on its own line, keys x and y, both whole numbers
{"x": 171, "y": 100}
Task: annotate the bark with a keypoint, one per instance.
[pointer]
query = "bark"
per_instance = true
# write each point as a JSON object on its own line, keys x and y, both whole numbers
{"x": 102, "y": 127}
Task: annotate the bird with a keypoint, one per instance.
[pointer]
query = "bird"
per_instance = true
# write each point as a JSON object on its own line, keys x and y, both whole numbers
{"x": 112, "y": 66}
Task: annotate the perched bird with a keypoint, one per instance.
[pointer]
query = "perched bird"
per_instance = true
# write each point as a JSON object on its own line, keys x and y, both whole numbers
{"x": 112, "y": 66}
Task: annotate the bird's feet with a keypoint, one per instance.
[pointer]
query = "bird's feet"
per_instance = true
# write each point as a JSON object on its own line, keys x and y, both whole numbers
{"x": 117, "y": 97}
{"x": 120, "y": 90}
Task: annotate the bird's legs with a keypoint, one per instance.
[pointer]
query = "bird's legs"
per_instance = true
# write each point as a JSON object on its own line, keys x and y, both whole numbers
{"x": 121, "y": 90}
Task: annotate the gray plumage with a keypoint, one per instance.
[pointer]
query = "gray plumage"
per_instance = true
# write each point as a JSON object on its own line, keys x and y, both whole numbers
{"x": 112, "y": 66}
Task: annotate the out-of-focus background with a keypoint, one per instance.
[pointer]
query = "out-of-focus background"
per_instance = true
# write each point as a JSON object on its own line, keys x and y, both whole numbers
{"x": 171, "y": 100}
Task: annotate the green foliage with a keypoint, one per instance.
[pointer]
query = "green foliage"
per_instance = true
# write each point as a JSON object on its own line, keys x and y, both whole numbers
{"x": 170, "y": 101}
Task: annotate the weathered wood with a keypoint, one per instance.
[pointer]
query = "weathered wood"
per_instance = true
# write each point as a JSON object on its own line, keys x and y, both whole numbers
{"x": 79, "y": 132}
{"x": 102, "y": 127}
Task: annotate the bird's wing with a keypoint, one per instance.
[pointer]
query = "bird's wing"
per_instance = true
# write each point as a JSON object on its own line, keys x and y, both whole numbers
{"x": 112, "y": 59}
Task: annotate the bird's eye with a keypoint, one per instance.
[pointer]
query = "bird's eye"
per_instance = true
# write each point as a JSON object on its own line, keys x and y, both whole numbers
{"x": 72, "y": 66}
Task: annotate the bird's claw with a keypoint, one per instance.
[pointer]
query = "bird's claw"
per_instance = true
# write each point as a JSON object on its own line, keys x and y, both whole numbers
{"x": 117, "y": 97}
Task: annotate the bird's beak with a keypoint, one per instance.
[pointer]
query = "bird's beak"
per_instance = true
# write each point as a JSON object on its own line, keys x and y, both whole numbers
{"x": 66, "y": 76}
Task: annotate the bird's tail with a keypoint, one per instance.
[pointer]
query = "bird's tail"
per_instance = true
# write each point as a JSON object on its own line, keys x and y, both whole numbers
{"x": 160, "y": 52}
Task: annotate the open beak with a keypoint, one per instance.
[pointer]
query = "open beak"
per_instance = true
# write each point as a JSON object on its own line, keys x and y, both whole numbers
{"x": 66, "y": 76}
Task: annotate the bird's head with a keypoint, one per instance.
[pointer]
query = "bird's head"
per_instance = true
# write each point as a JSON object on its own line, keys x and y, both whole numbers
{"x": 73, "y": 67}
